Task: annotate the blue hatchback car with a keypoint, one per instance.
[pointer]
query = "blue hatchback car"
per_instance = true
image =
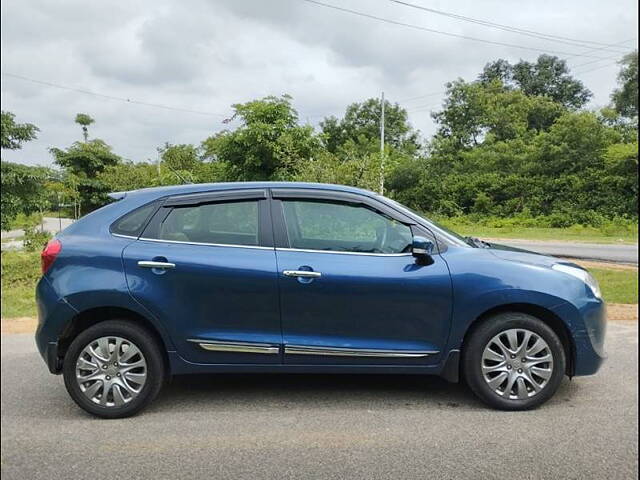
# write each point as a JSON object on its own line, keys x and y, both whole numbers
{"x": 305, "y": 278}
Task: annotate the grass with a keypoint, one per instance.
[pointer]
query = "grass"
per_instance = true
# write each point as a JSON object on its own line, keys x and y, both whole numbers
{"x": 21, "y": 271}
{"x": 618, "y": 286}
{"x": 575, "y": 233}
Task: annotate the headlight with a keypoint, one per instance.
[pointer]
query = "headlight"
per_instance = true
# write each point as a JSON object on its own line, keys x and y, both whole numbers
{"x": 583, "y": 275}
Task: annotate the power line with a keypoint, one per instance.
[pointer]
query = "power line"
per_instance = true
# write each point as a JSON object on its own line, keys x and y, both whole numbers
{"x": 422, "y": 96}
{"x": 441, "y": 32}
{"x": 596, "y": 68}
{"x": 111, "y": 97}
{"x": 508, "y": 28}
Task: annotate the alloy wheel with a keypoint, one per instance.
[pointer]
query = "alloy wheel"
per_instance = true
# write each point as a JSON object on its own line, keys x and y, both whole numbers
{"x": 111, "y": 371}
{"x": 517, "y": 364}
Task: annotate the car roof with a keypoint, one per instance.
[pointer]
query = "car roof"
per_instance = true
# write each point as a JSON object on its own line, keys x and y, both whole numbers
{"x": 157, "y": 192}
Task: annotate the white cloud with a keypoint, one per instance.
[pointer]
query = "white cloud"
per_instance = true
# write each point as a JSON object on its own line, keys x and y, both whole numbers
{"x": 206, "y": 55}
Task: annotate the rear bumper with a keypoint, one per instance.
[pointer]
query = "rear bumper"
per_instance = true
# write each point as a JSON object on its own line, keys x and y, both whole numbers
{"x": 588, "y": 323}
{"x": 54, "y": 314}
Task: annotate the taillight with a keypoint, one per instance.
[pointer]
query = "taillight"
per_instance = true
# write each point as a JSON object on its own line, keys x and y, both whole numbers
{"x": 49, "y": 254}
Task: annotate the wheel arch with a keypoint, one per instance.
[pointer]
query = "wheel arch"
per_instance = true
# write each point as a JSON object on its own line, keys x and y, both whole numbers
{"x": 552, "y": 320}
{"x": 93, "y": 316}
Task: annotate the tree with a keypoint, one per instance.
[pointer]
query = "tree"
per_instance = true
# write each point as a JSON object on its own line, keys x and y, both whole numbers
{"x": 21, "y": 185}
{"x": 15, "y": 134}
{"x": 625, "y": 98}
{"x": 267, "y": 145}
{"x": 362, "y": 120}
{"x": 84, "y": 121}
{"x": 22, "y": 191}
{"x": 84, "y": 162}
{"x": 548, "y": 76}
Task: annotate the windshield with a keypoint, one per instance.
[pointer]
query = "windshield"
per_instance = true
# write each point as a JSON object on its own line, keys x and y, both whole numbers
{"x": 449, "y": 235}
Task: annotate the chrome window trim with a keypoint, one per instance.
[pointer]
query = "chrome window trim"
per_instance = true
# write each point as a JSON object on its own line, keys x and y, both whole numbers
{"x": 123, "y": 236}
{"x": 236, "y": 347}
{"x": 158, "y": 240}
{"x": 409, "y": 254}
{"x": 356, "y": 352}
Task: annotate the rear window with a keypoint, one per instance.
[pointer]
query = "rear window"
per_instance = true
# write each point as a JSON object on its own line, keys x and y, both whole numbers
{"x": 134, "y": 222}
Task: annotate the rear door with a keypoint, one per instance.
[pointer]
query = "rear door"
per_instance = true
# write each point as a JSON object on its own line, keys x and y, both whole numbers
{"x": 205, "y": 265}
{"x": 351, "y": 293}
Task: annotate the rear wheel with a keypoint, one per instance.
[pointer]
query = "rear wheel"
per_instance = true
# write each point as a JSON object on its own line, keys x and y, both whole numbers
{"x": 514, "y": 361}
{"x": 113, "y": 369}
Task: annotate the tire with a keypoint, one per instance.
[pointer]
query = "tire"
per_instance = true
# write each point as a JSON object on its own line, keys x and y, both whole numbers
{"x": 531, "y": 382}
{"x": 131, "y": 384}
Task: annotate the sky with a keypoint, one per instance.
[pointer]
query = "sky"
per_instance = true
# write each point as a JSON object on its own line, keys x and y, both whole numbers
{"x": 200, "y": 57}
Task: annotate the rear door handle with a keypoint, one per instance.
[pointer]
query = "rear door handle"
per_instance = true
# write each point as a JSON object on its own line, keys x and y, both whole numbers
{"x": 152, "y": 264}
{"x": 301, "y": 274}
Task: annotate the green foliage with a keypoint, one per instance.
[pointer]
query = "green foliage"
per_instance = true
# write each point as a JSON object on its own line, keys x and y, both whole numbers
{"x": 22, "y": 191}
{"x": 34, "y": 239}
{"x": 507, "y": 146}
{"x": 625, "y": 98}
{"x": 20, "y": 271}
{"x": 547, "y": 77}
{"x": 84, "y": 162}
{"x": 13, "y": 134}
{"x": 362, "y": 121}
{"x": 267, "y": 145}
{"x": 84, "y": 121}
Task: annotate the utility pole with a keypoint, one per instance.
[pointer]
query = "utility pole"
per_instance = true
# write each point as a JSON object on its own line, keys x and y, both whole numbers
{"x": 382, "y": 144}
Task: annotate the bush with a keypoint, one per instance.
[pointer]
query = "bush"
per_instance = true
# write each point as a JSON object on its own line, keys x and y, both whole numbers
{"x": 35, "y": 240}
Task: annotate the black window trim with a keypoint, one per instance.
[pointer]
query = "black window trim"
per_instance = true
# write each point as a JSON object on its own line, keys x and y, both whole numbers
{"x": 158, "y": 203}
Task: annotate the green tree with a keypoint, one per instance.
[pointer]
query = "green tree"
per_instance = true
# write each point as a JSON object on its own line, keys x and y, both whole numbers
{"x": 625, "y": 97}
{"x": 22, "y": 186}
{"x": 22, "y": 191}
{"x": 15, "y": 134}
{"x": 84, "y": 162}
{"x": 548, "y": 76}
{"x": 362, "y": 121}
{"x": 84, "y": 121}
{"x": 267, "y": 145}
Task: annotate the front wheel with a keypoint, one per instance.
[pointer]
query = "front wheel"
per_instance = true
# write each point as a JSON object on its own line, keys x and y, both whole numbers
{"x": 514, "y": 361}
{"x": 113, "y": 369}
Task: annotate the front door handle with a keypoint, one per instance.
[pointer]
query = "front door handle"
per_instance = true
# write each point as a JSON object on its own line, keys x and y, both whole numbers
{"x": 301, "y": 274}
{"x": 152, "y": 264}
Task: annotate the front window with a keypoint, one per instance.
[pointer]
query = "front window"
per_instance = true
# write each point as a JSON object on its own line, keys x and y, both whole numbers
{"x": 447, "y": 234}
{"x": 343, "y": 227}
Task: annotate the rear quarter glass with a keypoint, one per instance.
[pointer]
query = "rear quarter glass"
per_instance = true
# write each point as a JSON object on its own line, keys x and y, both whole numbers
{"x": 132, "y": 224}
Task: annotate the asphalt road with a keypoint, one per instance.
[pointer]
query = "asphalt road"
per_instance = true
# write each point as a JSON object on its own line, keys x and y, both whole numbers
{"x": 266, "y": 426}
{"x": 585, "y": 251}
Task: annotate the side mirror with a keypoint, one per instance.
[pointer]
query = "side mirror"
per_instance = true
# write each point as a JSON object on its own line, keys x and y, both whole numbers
{"x": 421, "y": 248}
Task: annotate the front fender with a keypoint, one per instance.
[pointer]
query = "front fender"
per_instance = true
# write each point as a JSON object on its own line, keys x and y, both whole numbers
{"x": 467, "y": 312}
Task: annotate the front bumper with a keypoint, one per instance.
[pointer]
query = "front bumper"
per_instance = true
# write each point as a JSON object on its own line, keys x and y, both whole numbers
{"x": 588, "y": 325}
{"x": 54, "y": 314}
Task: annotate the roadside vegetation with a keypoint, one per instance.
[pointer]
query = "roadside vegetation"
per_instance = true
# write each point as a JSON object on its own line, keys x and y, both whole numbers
{"x": 618, "y": 230}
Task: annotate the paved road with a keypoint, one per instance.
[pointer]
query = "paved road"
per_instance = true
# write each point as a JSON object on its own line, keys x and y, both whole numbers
{"x": 288, "y": 426}
{"x": 585, "y": 251}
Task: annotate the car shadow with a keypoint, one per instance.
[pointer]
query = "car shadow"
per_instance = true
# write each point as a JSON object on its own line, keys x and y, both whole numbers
{"x": 311, "y": 391}
{"x": 320, "y": 391}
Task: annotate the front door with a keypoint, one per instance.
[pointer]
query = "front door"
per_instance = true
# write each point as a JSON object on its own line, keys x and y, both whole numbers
{"x": 351, "y": 292}
{"x": 205, "y": 266}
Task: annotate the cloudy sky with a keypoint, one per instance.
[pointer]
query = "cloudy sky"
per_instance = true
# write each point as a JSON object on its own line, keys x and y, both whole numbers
{"x": 199, "y": 57}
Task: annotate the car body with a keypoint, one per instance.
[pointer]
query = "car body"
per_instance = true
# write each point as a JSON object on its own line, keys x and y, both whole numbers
{"x": 296, "y": 277}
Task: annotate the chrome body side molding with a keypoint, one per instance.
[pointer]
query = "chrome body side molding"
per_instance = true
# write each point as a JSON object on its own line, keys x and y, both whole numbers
{"x": 355, "y": 352}
{"x": 236, "y": 347}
